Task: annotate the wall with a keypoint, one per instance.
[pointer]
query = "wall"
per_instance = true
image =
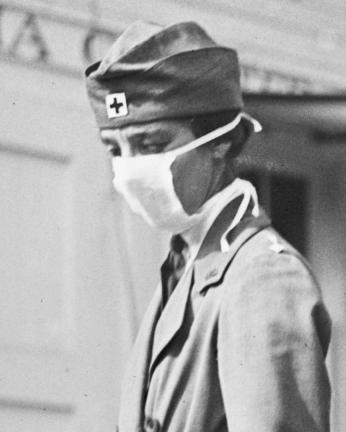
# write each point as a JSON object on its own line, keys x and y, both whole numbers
{"x": 74, "y": 282}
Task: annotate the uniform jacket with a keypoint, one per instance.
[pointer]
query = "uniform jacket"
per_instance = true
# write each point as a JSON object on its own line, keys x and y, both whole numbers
{"x": 239, "y": 347}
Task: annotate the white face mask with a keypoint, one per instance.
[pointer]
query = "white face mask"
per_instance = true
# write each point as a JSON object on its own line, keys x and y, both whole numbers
{"x": 146, "y": 182}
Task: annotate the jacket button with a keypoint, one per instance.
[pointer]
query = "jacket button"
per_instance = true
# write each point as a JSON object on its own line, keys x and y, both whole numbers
{"x": 152, "y": 425}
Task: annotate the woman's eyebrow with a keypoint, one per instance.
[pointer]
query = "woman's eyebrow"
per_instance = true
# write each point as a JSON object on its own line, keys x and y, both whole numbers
{"x": 149, "y": 136}
{"x": 109, "y": 141}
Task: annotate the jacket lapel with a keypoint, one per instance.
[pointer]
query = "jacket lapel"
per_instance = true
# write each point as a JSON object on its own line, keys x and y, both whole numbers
{"x": 172, "y": 317}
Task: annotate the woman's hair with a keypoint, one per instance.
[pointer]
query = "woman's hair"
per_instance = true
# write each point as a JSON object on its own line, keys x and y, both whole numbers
{"x": 237, "y": 138}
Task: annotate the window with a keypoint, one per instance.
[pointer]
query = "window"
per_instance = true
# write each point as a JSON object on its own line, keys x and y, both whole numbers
{"x": 285, "y": 199}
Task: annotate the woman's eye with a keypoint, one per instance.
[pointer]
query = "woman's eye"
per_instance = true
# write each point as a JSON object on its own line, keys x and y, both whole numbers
{"x": 114, "y": 150}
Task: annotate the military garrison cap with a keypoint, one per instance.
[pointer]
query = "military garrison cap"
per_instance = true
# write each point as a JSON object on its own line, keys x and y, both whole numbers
{"x": 153, "y": 73}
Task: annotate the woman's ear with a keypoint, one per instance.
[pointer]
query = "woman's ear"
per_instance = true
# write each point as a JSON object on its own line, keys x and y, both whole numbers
{"x": 239, "y": 138}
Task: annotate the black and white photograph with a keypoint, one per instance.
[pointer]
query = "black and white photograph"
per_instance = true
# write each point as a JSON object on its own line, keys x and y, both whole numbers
{"x": 173, "y": 216}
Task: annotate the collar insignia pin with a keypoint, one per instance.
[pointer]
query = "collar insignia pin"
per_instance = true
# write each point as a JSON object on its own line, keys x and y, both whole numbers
{"x": 211, "y": 274}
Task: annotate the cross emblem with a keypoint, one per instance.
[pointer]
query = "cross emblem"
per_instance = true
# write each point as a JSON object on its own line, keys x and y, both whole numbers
{"x": 116, "y": 105}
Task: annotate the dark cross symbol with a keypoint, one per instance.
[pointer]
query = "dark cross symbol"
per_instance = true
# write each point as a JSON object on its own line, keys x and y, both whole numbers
{"x": 116, "y": 105}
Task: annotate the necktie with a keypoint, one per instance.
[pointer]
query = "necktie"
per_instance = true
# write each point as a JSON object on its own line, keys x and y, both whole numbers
{"x": 173, "y": 268}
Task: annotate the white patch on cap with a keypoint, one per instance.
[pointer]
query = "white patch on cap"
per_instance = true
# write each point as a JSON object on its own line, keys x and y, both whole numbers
{"x": 116, "y": 105}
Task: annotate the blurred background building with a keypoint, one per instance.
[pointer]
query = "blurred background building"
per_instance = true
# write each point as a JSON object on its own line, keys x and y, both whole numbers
{"x": 77, "y": 269}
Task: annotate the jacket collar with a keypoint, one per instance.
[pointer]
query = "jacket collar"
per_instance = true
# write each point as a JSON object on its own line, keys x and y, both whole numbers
{"x": 210, "y": 269}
